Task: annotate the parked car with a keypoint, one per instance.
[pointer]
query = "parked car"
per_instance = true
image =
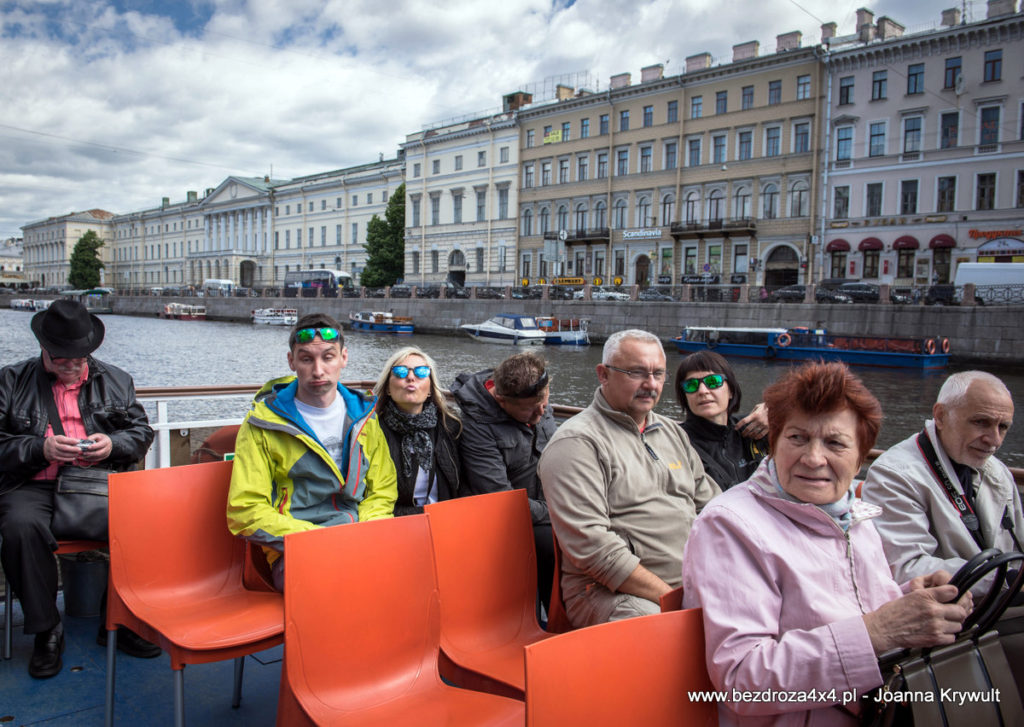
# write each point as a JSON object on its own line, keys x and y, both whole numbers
{"x": 788, "y": 294}
{"x": 901, "y": 296}
{"x": 375, "y": 292}
{"x": 486, "y": 292}
{"x": 860, "y": 292}
{"x": 401, "y": 291}
{"x": 530, "y": 293}
{"x": 653, "y": 294}
{"x": 560, "y": 292}
{"x": 942, "y": 294}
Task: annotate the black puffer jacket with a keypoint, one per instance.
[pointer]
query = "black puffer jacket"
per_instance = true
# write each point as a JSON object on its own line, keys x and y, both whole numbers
{"x": 446, "y": 466}
{"x": 728, "y": 456}
{"x": 499, "y": 453}
{"x": 106, "y": 401}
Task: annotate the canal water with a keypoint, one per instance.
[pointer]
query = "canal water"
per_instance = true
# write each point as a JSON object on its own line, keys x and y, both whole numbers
{"x": 178, "y": 353}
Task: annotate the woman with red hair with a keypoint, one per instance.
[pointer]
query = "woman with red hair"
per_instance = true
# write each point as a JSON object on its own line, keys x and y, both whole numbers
{"x": 798, "y": 600}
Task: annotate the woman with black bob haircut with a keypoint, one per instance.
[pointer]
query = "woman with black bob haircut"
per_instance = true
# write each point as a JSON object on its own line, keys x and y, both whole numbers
{"x": 709, "y": 394}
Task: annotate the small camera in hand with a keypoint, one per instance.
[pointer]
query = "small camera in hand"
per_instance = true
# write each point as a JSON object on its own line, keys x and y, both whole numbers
{"x": 84, "y": 444}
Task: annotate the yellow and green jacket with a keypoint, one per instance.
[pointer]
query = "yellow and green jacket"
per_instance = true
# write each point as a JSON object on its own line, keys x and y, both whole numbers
{"x": 284, "y": 481}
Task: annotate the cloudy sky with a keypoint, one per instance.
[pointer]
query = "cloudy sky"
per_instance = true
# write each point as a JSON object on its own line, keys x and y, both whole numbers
{"x": 117, "y": 103}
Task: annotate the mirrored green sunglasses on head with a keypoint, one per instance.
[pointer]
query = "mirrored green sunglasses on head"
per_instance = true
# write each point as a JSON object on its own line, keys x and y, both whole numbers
{"x": 712, "y": 381}
{"x": 305, "y": 335}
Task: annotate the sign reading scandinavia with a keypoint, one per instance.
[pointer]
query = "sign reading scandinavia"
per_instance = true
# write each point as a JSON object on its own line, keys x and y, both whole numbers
{"x": 641, "y": 234}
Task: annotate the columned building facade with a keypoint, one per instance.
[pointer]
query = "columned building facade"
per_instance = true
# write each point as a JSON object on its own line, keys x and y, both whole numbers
{"x": 48, "y": 245}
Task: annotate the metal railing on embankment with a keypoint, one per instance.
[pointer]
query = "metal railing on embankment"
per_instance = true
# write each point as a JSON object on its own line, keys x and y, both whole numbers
{"x": 160, "y": 454}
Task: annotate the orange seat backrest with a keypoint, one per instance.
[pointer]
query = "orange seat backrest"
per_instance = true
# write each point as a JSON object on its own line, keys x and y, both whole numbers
{"x": 558, "y": 619}
{"x": 215, "y": 446}
{"x": 633, "y": 671}
{"x": 672, "y": 601}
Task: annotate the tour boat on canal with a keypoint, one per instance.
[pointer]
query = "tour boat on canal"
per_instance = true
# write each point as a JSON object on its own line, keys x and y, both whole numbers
{"x": 184, "y": 312}
{"x": 507, "y": 328}
{"x": 800, "y": 344}
{"x": 564, "y": 331}
{"x": 25, "y": 304}
{"x": 275, "y": 316}
{"x": 380, "y": 322}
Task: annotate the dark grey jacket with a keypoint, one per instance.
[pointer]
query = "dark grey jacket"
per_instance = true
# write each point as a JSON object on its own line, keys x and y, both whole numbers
{"x": 499, "y": 453}
{"x": 107, "y": 403}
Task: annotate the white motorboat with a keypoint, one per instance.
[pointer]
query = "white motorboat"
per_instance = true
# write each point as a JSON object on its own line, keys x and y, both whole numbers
{"x": 275, "y": 316}
{"x": 507, "y": 328}
{"x": 564, "y": 331}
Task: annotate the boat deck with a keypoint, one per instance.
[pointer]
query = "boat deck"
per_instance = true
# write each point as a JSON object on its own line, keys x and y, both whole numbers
{"x": 144, "y": 688}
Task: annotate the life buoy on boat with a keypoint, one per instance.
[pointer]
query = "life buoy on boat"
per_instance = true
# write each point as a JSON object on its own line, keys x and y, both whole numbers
{"x": 929, "y": 346}
{"x": 784, "y": 340}
{"x": 945, "y": 345}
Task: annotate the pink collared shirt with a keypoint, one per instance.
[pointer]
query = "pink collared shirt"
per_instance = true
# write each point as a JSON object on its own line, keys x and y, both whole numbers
{"x": 66, "y": 398}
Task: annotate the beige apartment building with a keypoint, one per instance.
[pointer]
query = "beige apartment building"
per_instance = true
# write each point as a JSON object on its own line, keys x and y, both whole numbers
{"x": 703, "y": 177}
{"x": 48, "y": 245}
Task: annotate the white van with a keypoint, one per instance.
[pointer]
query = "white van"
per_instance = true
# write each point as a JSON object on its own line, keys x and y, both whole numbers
{"x": 218, "y": 286}
{"x": 992, "y": 281}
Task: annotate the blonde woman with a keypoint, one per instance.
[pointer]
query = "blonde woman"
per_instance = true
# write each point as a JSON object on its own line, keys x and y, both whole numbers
{"x": 421, "y": 430}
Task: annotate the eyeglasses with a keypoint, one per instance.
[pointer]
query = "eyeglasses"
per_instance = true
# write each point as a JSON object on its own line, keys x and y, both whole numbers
{"x": 712, "y": 381}
{"x": 402, "y": 372}
{"x": 305, "y": 335}
{"x": 639, "y": 374}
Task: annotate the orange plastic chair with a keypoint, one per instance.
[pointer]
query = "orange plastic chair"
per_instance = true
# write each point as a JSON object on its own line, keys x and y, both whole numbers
{"x": 63, "y": 547}
{"x": 487, "y": 576}
{"x": 218, "y": 444}
{"x": 672, "y": 601}
{"x": 176, "y": 574}
{"x": 558, "y": 619}
{"x": 634, "y": 671}
{"x": 362, "y": 632}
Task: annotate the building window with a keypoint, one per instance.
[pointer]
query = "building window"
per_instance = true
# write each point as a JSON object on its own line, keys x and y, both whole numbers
{"x": 355, "y": 233}
{"x": 798, "y": 200}
{"x": 871, "y": 263}
{"x": 646, "y": 159}
{"x": 693, "y": 153}
{"x": 953, "y": 66}
{"x": 912, "y": 135}
{"x": 879, "y": 82}
{"x": 745, "y": 144}
{"x": 672, "y": 112}
{"x": 566, "y": 131}
{"x": 989, "y": 126}
{"x": 524, "y": 268}
{"x": 581, "y": 217}
{"x": 845, "y": 90}
{"x": 993, "y": 65}
{"x": 718, "y": 148}
{"x": 747, "y": 98}
{"x": 545, "y": 174}
{"x": 691, "y": 208}
{"x": 838, "y": 266}
{"x": 435, "y": 209}
{"x": 481, "y": 205}
{"x": 434, "y": 261}
{"x": 905, "y": 264}
{"x": 670, "y": 155}
{"x": 844, "y": 143}
{"x": 436, "y": 166}
{"x": 803, "y": 87}
{"x": 503, "y": 154}
{"x": 696, "y": 107}
{"x": 529, "y": 138}
{"x": 582, "y": 168}
{"x": 801, "y": 137}
{"x": 721, "y": 102}
{"x": 770, "y": 198}
{"x": 600, "y": 215}
{"x": 690, "y": 261}
{"x": 481, "y": 159}
{"x": 526, "y": 228}
{"x": 528, "y": 176}
{"x": 503, "y": 203}
{"x": 643, "y": 212}
{"x": 947, "y": 195}
{"x": 908, "y": 197}
{"x": 950, "y": 130}
{"x": 479, "y": 259}
{"x": 545, "y": 220}
{"x": 602, "y": 164}
{"x": 986, "y": 192}
{"x": 624, "y": 120}
{"x": 1020, "y": 188}
{"x": 415, "y": 202}
{"x": 622, "y": 162}
{"x": 874, "y": 199}
{"x": 457, "y": 208}
{"x": 458, "y": 162}
{"x": 648, "y": 116}
{"x": 668, "y": 206}
{"x": 584, "y": 128}
{"x": 547, "y": 134}
{"x": 841, "y": 206}
{"x": 563, "y": 171}
{"x": 774, "y": 93}
{"x": 603, "y": 124}
{"x": 772, "y": 141}
{"x": 915, "y": 78}
{"x": 619, "y": 214}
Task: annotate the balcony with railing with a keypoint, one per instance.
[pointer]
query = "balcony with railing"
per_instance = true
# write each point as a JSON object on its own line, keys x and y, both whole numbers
{"x": 732, "y": 226}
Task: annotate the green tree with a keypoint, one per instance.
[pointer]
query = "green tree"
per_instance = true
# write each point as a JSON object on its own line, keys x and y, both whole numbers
{"x": 85, "y": 262}
{"x": 385, "y": 244}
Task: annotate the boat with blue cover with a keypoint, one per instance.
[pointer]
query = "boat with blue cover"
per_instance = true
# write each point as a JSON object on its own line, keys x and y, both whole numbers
{"x": 813, "y": 344}
{"x": 380, "y": 322}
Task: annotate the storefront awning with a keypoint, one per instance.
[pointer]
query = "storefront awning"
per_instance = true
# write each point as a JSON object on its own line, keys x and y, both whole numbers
{"x": 870, "y": 243}
{"x": 905, "y": 243}
{"x": 839, "y": 245}
{"x": 942, "y": 241}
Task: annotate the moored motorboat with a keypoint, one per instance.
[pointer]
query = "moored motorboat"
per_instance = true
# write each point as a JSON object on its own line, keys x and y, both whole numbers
{"x": 380, "y": 322}
{"x": 43, "y": 304}
{"x": 275, "y": 316}
{"x": 22, "y": 304}
{"x": 564, "y": 331}
{"x": 184, "y": 312}
{"x": 801, "y": 344}
{"x": 507, "y": 328}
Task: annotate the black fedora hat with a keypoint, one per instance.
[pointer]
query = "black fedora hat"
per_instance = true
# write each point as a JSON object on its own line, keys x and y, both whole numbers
{"x": 67, "y": 330}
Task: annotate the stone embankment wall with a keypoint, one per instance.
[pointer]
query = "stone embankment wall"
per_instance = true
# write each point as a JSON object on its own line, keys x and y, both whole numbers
{"x": 992, "y": 334}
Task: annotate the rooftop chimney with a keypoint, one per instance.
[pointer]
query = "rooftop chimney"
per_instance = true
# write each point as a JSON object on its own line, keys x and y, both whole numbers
{"x": 788, "y": 41}
{"x": 652, "y": 73}
{"x": 951, "y": 17}
{"x": 563, "y": 92}
{"x": 865, "y": 29}
{"x": 698, "y": 62}
{"x": 515, "y": 100}
{"x": 165, "y": 201}
{"x": 743, "y": 51}
{"x": 191, "y": 196}
{"x": 888, "y": 28}
{"x": 828, "y": 31}
{"x": 997, "y": 8}
{"x": 209, "y": 191}
{"x": 619, "y": 80}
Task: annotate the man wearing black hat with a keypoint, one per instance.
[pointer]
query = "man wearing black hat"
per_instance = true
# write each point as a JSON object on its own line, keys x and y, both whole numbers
{"x": 95, "y": 402}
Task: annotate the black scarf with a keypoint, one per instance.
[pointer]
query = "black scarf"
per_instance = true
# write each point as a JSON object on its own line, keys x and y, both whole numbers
{"x": 415, "y": 431}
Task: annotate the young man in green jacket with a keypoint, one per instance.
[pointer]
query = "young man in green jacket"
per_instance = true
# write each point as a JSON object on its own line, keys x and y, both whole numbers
{"x": 311, "y": 452}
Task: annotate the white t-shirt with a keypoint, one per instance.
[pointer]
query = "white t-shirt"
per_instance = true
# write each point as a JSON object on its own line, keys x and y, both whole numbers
{"x": 328, "y": 423}
{"x": 419, "y": 495}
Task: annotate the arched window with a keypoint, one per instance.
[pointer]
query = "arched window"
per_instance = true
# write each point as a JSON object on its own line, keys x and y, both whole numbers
{"x": 643, "y": 212}
{"x": 527, "y": 226}
{"x": 770, "y": 197}
{"x": 692, "y": 207}
{"x": 600, "y": 215}
{"x": 563, "y": 217}
{"x": 457, "y": 259}
{"x": 798, "y": 200}
{"x": 668, "y": 207}
{"x": 545, "y": 220}
{"x": 581, "y": 216}
{"x": 620, "y": 214}
{"x": 715, "y": 205}
{"x": 741, "y": 203}
{"x": 337, "y": 262}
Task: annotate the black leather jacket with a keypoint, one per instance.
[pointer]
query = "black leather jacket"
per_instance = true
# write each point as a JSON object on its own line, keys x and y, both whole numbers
{"x": 727, "y": 456}
{"x": 107, "y": 403}
{"x": 447, "y": 468}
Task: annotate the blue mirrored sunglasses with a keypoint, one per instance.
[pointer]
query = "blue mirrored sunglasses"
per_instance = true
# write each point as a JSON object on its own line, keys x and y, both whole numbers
{"x": 305, "y": 335}
{"x": 402, "y": 372}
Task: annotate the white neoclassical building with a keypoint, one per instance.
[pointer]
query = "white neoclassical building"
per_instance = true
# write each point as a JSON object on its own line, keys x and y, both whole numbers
{"x": 48, "y": 245}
